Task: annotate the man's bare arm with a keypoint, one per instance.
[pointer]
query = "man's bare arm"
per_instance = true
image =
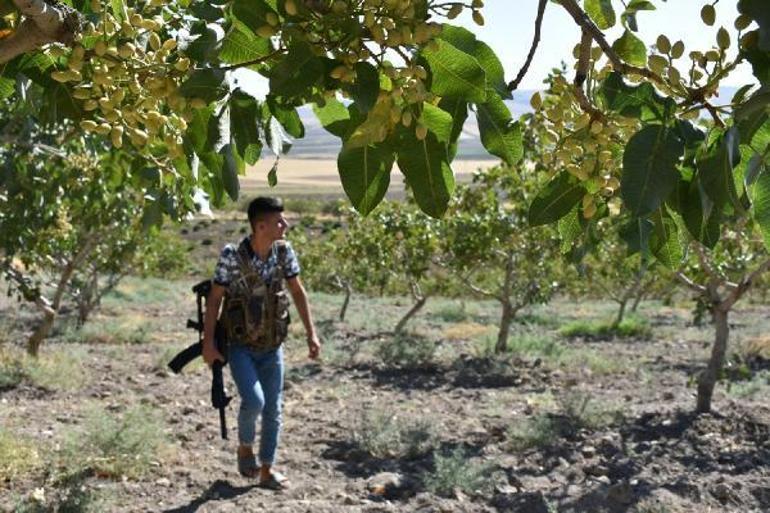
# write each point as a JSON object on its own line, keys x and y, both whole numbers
{"x": 299, "y": 296}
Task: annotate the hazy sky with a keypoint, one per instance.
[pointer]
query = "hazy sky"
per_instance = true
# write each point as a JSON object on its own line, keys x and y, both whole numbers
{"x": 509, "y": 29}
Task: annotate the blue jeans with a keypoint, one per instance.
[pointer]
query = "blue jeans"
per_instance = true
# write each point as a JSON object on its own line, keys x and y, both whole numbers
{"x": 259, "y": 378}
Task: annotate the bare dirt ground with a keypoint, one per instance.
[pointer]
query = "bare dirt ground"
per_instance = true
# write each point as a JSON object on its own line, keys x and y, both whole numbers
{"x": 313, "y": 176}
{"x": 648, "y": 453}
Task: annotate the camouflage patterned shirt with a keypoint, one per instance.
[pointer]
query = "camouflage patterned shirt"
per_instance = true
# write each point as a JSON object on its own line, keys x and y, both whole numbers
{"x": 227, "y": 266}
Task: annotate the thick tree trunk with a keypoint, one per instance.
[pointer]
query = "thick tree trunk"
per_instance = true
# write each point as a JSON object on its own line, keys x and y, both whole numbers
{"x": 708, "y": 378}
{"x": 506, "y": 319}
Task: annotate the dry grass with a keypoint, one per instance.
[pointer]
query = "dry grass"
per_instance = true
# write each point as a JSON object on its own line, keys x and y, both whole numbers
{"x": 465, "y": 331}
{"x": 18, "y": 457}
{"x": 758, "y": 346}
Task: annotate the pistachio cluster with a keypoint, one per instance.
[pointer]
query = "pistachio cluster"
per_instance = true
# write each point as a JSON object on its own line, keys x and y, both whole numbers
{"x": 588, "y": 149}
{"x": 126, "y": 72}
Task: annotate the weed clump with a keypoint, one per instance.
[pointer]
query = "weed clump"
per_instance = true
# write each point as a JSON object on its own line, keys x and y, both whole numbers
{"x": 456, "y": 471}
{"x": 117, "y": 445}
{"x": 631, "y": 327}
{"x": 385, "y": 435}
{"x": 18, "y": 456}
{"x": 407, "y": 351}
{"x": 54, "y": 370}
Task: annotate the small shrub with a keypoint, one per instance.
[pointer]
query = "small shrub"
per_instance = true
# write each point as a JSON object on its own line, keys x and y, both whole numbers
{"x": 385, "y": 435}
{"x": 18, "y": 456}
{"x": 407, "y": 350}
{"x": 529, "y": 344}
{"x": 455, "y": 471}
{"x": 117, "y": 445}
{"x": 758, "y": 384}
{"x": 582, "y": 412}
{"x": 540, "y": 430}
{"x": 630, "y": 327}
{"x": 11, "y": 370}
{"x": 452, "y": 312}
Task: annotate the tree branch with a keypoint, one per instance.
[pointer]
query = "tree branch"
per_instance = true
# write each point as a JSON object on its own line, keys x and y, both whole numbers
{"x": 43, "y": 23}
{"x": 535, "y": 41}
{"x": 582, "y": 19}
{"x": 687, "y": 282}
{"x": 746, "y": 284}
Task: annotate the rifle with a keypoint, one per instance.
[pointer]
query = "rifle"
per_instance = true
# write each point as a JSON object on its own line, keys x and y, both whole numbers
{"x": 219, "y": 398}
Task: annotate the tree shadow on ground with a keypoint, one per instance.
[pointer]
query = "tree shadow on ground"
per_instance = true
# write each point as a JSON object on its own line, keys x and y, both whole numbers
{"x": 424, "y": 377}
{"x": 218, "y": 490}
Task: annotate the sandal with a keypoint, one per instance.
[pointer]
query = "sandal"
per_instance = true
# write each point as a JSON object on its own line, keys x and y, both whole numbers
{"x": 247, "y": 466}
{"x": 276, "y": 481}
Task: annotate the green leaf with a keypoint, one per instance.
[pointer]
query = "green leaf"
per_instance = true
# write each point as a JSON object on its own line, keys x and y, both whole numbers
{"x": 251, "y": 14}
{"x": 631, "y": 49}
{"x": 760, "y": 63}
{"x": 297, "y": 72}
{"x": 601, "y": 12}
{"x": 649, "y": 168}
{"x": 455, "y": 73}
{"x": 425, "y": 165}
{"x": 243, "y": 126}
{"x": 206, "y": 84}
{"x": 272, "y": 175}
{"x": 464, "y": 40}
{"x": 760, "y": 199}
{"x": 240, "y": 47}
{"x": 555, "y": 200}
{"x": 458, "y": 109}
{"x": 641, "y": 102}
{"x": 205, "y": 45}
{"x": 58, "y": 105}
{"x": 437, "y": 121}
{"x": 716, "y": 167}
{"x": 366, "y": 87}
{"x": 700, "y": 217}
{"x": 334, "y": 117}
{"x": 152, "y": 215}
{"x": 757, "y": 10}
{"x": 756, "y": 105}
{"x": 664, "y": 241}
{"x": 570, "y": 228}
{"x": 636, "y": 234}
{"x": 7, "y": 87}
{"x": 500, "y": 135}
{"x": 365, "y": 175}
{"x": 288, "y": 117}
{"x": 117, "y": 9}
{"x": 197, "y": 134}
{"x": 233, "y": 166}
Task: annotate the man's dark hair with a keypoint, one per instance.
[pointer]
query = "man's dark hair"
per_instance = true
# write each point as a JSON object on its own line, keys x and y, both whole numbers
{"x": 263, "y": 205}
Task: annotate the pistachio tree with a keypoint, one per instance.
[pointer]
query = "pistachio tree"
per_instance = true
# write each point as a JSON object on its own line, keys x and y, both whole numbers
{"x": 636, "y": 134}
{"x": 489, "y": 245}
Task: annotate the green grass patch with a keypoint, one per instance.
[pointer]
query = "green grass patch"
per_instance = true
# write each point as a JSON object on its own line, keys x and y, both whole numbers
{"x": 454, "y": 311}
{"x": 456, "y": 471}
{"x": 387, "y": 435}
{"x": 596, "y": 362}
{"x": 530, "y": 343}
{"x": 146, "y": 292}
{"x": 19, "y": 456}
{"x": 630, "y": 327}
{"x": 112, "y": 330}
{"x": 116, "y": 445}
{"x": 54, "y": 369}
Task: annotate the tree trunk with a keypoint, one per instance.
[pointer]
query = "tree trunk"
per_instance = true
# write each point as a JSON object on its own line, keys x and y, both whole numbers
{"x": 621, "y": 313}
{"x": 348, "y": 292}
{"x": 708, "y": 378}
{"x": 506, "y": 319}
{"x": 419, "y": 303}
{"x": 42, "y": 331}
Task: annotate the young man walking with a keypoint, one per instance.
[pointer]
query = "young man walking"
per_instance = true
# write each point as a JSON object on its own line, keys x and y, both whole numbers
{"x": 252, "y": 278}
